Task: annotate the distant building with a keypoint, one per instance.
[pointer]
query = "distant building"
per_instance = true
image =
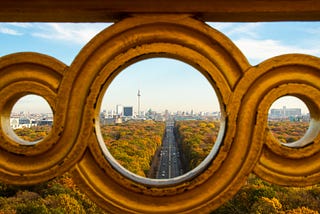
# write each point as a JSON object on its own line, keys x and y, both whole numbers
{"x": 103, "y": 115}
{"x": 111, "y": 114}
{"x": 14, "y": 122}
{"x": 119, "y": 110}
{"x": 21, "y": 122}
{"x": 285, "y": 113}
{"x": 128, "y": 111}
{"x": 46, "y": 122}
{"x": 24, "y": 121}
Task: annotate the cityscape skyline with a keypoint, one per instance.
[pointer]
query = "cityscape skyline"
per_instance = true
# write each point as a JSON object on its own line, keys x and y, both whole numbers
{"x": 258, "y": 42}
{"x": 22, "y": 105}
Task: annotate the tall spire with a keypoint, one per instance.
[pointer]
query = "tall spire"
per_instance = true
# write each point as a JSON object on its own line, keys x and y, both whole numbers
{"x": 139, "y": 95}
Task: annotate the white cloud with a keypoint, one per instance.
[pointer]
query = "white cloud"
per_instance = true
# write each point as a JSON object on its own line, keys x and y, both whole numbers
{"x": 257, "y": 42}
{"x": 9, "y": 31}
{"x": 13, "y": 28}
{"x": 259, "y": 50}
{"x": 246, "y": 29}
{"x": 75, "y": 33}
{"x": 236, "y": 29}
{"x": 20, "y": 24}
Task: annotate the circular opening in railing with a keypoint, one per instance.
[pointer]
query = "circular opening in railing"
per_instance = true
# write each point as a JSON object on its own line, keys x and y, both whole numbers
{"x": 31, "y": 119}
{"x": 160, "y": 122}
{"x": 290, "y": 123}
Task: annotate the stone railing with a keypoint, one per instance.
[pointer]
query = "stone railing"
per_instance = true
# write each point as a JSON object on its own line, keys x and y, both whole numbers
{"x": 75, "y": 94}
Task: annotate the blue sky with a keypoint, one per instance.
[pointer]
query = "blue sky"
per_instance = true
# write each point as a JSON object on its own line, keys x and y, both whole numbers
{"x": 258, "y": 42}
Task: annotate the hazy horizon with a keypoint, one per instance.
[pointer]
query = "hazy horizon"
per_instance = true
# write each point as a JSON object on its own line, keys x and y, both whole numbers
{"x": 23, "y": 105}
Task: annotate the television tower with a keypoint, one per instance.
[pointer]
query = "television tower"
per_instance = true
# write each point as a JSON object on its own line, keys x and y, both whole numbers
{"x": 139, "y": 95}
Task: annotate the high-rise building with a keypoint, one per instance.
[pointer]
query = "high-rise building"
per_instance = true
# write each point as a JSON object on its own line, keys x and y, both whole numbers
{"x": 119, "y": 110}
{"x": 128, "y": 111}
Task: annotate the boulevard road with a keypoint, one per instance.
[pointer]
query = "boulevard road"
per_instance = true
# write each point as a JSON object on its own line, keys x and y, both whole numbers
{"x": 170, "y": 163}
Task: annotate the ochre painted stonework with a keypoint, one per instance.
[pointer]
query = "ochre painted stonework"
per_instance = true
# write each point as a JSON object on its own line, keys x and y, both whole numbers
{"x": 75, "y": 94}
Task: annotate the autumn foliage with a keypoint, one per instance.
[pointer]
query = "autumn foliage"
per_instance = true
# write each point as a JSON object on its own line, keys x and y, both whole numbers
{"x": 133, "y": 144}
{"x": 260, "y": 197}
{"x": 124, "y": 141}
{"x": 288, "y": 131}
{"x": 34, "y": 133}
{"x": 196, "y": 139}
{"x": 58, "y": 196}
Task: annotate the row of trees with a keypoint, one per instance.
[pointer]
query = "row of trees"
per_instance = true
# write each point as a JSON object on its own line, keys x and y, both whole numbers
{"x": 195, "y": 139}
{"x": 133, "y": 144}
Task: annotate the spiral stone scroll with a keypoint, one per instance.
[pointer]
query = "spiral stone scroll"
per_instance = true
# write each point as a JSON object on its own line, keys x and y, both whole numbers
{"x": 75, "y": 95}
